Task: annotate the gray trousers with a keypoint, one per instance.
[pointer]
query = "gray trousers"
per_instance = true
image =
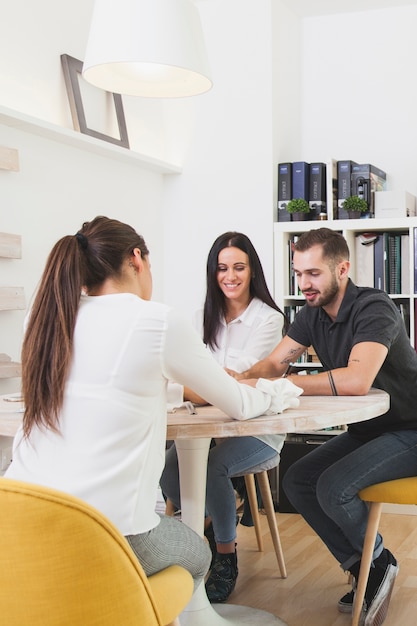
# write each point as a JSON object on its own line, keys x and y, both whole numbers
{"x": 172, "y": 543}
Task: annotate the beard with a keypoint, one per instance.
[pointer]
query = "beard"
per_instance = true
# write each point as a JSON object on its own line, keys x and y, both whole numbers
{"x": 327, "y": 295}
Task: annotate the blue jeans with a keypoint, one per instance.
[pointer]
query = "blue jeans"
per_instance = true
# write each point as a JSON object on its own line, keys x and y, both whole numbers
{"x": 227, "y": 458}
{"x": 323, "y": 486}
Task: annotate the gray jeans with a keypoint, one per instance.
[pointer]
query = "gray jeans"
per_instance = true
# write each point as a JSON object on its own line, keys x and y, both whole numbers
{"x": 172, "y": 543}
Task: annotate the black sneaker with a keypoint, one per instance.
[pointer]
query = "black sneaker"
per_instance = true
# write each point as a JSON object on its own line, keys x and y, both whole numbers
{"x": 378, "y": 590}
{"x": 345, "y": 604}
{"x": 209, "y": 535}
{"x": 222, "y": 578}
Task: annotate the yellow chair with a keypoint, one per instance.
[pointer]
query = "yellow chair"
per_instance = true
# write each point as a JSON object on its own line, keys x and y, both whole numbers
{"x": 400, "y": 491}
{"x": 63, "y": 563}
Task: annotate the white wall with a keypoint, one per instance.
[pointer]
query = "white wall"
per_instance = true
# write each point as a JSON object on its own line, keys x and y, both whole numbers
{"x": 359, "y": 95}
{"x": 227, "y": 179}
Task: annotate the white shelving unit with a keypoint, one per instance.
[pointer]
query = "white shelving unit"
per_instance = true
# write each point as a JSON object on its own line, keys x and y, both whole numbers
{"x": 349, "y": 229}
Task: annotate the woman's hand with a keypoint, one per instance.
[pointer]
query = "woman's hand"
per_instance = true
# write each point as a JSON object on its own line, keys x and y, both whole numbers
{"x": 234, "y": 374}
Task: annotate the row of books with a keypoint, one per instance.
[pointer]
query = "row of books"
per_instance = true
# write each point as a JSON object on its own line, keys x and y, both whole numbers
{"x": 383, "y": 261}
{"x": 325, "y": 186}
{"x": 358, "y": 179}
{"x": 404, "y": 309}
{"x": 302, "y": 180}
{"x": 291, "y": 311}
{"x": 415, "y": 325}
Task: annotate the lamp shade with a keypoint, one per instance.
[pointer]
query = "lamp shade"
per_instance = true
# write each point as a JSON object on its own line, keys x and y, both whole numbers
{"x": 149, "y": 48}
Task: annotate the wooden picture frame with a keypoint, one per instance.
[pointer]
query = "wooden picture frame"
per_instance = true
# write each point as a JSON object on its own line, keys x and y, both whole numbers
{"x": 73, "y": 80}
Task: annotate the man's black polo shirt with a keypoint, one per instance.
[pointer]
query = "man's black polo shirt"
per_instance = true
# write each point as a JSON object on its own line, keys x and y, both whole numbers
{"x": 366, "y": 314}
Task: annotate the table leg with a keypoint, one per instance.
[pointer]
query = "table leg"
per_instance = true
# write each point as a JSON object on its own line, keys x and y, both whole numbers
{"x": 192, "y": 460}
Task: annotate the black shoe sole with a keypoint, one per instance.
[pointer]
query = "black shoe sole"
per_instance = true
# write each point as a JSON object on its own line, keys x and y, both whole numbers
{"x": 377, "y": 612}
{"x": 345, "y": 604}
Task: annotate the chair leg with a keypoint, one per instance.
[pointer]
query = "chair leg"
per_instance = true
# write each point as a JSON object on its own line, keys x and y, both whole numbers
{"x": 169, "y": 508}
{"x": 367, "y": 552}
{"x": 265, "y": 487}
{"x": 253, "y": 503}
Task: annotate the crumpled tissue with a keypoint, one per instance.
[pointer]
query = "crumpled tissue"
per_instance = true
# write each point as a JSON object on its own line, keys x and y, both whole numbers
{"x": 284, "y": 394}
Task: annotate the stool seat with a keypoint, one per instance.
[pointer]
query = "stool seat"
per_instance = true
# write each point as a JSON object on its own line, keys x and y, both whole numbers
{"x": 262, "y": 467}
{"x": 399, "y": 491}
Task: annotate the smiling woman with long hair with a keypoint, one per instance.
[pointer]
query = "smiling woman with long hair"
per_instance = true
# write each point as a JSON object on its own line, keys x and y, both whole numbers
{"x": 240, "y": 324}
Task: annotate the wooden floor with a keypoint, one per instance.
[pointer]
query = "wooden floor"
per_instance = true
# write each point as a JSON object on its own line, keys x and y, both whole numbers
{"x": 315, "y": 582}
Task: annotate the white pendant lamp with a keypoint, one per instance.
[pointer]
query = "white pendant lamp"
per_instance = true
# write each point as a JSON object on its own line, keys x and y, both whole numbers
{"x": 149, "y": 48}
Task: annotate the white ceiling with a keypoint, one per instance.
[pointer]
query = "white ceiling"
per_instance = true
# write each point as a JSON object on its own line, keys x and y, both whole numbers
{"x": 326, "y": 7}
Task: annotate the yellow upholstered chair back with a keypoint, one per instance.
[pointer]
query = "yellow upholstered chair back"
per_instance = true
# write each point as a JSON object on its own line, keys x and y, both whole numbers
{"x": 63, "y": 563}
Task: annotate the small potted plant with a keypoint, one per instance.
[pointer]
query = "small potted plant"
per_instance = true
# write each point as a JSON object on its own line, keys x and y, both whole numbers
{"x": 299, "y": 209}
{"x": 354, "y": 206}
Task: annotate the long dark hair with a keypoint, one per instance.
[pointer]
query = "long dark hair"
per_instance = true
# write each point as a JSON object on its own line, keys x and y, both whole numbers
{"x": 215, "y": 302}
{"x": 84, "y": 260}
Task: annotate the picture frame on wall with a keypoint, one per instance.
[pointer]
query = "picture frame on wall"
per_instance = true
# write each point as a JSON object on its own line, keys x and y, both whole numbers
{"x": 103, "y": 109}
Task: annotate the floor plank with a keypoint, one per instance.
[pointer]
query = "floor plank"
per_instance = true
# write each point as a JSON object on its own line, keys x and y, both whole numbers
{"x": 309, "y": 596}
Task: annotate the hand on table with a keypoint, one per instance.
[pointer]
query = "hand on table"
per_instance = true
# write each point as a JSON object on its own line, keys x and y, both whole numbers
{"x": 284, "y": 394}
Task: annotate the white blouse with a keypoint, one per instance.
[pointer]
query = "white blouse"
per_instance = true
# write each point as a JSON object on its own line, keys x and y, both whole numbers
{"x": 110, "y": 450}
{"x": 247, "y": 339}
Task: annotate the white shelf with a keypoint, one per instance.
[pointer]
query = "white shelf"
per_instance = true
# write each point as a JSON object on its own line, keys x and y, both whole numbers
{"x": 39, "y": 127}
{"x": 363, "y": 225}
{"x": 8, "y": 368}
{"x": 9, "y": 159}
{"x": 10, "y": 246}
{"x": 12, "y": 299}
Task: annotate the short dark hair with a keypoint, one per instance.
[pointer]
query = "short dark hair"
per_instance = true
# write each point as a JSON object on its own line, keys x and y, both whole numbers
{"x": 334, "y": 245}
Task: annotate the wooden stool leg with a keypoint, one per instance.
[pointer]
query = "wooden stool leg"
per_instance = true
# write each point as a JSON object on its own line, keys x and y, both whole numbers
{"x": 253, "y": 503}
{"x": 265, "y": 488}
{"x": 368, "y": 549}
{"x": 169, "y": 508}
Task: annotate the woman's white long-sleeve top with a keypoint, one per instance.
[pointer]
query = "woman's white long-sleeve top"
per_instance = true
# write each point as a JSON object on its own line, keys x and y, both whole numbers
{"x": 111, "y": 445}
{"x": 247, "y": 339}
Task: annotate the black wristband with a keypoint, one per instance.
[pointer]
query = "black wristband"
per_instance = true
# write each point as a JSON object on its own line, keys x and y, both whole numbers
{"x": 331, "y": 381}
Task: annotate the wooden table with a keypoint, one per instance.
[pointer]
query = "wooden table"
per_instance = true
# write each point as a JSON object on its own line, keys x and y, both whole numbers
{"x": 192, "y": 434}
